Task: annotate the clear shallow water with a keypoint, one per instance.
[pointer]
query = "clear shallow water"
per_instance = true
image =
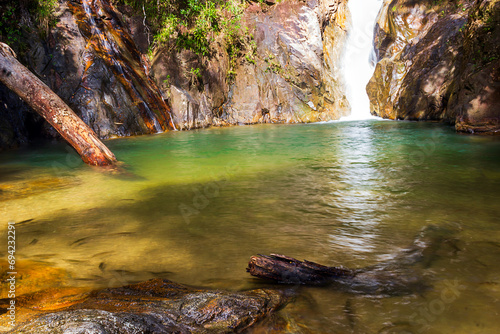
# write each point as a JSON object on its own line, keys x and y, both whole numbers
{"x": 194, "y": 206}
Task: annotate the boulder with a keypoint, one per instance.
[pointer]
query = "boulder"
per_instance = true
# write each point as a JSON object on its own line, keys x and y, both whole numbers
{"x": 438, "y": 61}
{"x": 155, "y": 306}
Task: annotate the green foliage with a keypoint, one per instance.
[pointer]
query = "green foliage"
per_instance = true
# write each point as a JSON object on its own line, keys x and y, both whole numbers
{"x": 44, "y": 14}
{"x": 166, "y": 82}
{"x": 252, "y": 50}
{"x": 10, "y": 31}
{"x": 193, "y": 24}
{"x": 195, "y": 72}
{"x": 11, "y": 16}
{"x": 198, "y": 25}
{"x": 195, "y": 76}
{"x": 250, "y": 59}
{"x": 273, "y": 65}
{"x": 480, "y": 35}
{"x": 45, "y": 9}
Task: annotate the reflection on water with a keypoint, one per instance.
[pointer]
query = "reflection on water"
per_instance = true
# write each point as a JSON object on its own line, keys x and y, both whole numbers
{"x": 357, "y": 200}
{"x": 194, "y": 206}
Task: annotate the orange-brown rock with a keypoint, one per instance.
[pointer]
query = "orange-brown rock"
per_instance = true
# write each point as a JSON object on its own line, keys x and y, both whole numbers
{"x": 155, "y": 306}
{"x": 33, "y": 276}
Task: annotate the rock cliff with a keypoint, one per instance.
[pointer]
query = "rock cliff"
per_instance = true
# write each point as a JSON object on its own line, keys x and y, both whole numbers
{"x": 292, "y": 74}
{"x": 90, "y": 61}
{"x": 440, "y": 61}
{"x": 94, "y": 58}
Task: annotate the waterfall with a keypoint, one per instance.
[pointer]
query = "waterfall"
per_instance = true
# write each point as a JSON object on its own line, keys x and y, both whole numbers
{"x": 357, "y": 68}
{"x": 109, "y": 42}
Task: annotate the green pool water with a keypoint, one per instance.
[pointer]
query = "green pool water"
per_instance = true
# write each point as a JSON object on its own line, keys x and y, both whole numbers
{"x": 194, "y": 206}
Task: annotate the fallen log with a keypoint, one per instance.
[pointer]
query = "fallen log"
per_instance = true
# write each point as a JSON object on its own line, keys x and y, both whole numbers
{"x": 390, "y": 278}
{"x": 53, "y": 109}
{"x": 401, "y": 274}
{"x": 288, "y": 270}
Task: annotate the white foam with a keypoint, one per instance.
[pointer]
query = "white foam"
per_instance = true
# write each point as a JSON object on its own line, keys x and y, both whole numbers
{"x": 356, "y": 66}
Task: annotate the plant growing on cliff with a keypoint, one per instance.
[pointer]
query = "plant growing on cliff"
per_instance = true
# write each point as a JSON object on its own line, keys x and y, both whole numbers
{"x": 201, "y": 26}
{"x": 9, "y": 31}
{"x": 45, "y": 12}
{"x": 192, "y": 24}
{"x": 18, "y": 18}
{"x": 194, "y": 76}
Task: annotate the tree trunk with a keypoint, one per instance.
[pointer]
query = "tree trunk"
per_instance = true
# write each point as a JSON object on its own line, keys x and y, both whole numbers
{"x": 53, "y": 109}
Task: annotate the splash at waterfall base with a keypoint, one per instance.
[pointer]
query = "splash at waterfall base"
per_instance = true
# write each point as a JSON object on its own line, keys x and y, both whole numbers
{"x": 358, "y": 56}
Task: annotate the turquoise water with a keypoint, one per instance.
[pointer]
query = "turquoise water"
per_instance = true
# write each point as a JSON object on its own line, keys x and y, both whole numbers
{"x": 194, "y": 206}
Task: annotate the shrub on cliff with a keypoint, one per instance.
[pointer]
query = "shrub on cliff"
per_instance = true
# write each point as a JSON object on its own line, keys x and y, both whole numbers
{"x": 20, "y": 16}
{"x": 193, "y": 24}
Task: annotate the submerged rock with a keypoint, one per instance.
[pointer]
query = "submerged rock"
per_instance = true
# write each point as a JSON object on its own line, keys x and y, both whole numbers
{"x": 438, "y": 61}
{"x": 155, "y": 306}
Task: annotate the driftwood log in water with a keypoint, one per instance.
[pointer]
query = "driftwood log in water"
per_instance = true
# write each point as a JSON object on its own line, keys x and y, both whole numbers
{"x": 288, "y": 270}
{"x": 53, "y": 109}
{"x": 400, "y": 274}
{"x": 393, "y": 277}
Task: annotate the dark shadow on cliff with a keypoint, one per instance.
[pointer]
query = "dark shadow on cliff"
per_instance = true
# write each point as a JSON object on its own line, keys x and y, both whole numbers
{"x": 19, "y": 124}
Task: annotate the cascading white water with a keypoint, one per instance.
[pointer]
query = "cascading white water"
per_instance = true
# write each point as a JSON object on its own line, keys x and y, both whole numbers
{"x": 356, "y": 66}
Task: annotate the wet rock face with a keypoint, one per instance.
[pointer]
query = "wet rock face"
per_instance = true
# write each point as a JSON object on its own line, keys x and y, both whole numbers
{"x": 115, "y": 93}
{"x": 426, "y": 68}
{"x": 194, "y": 100}
{"x": 91, "y": 62}
{"x": 93, "y": 58}
{"x": 155, "y": 306}
{"x": 293, "y": 75}
{"x": 475, "y": 97}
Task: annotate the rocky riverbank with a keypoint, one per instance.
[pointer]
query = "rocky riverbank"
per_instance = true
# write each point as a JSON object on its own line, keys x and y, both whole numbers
{"x": 439, "y": 61}
{"x": 155, "y": 306}
{"x": 95, "y": 59}
{"x": 436, "y": 61}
